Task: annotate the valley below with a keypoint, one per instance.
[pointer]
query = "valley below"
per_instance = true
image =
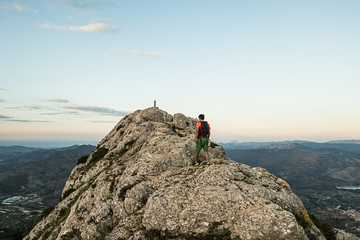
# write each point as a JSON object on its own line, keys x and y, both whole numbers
{"x": 18, "y": 216}
{"x": 31, "y": 181}
{"x": 325, "y": 176}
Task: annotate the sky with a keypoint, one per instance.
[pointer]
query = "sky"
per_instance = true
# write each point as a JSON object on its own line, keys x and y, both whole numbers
{"x": 260, "y": 70}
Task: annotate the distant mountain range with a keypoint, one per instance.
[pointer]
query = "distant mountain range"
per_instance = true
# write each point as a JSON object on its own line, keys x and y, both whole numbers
{"x": 353, "y": 141}
{"x": 38, "y": 176}
{"x": 6, "y": 151}
{"x": 350, "y": 145}
{"x": 314, "y": 171}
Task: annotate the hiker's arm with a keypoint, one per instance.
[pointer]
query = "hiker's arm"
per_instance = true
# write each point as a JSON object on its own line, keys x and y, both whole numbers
{"x": 196, "y": 134}
{"x": 209, "y": 133}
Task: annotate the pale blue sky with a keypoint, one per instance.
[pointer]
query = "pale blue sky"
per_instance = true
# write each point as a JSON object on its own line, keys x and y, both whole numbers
{"x": 258, "y": 70}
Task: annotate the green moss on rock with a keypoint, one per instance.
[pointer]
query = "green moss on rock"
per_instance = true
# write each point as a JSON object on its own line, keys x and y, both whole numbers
{"x": 96, "y": 156}
{"x": 82, "y": 159}
{"x": 46, "y": 212}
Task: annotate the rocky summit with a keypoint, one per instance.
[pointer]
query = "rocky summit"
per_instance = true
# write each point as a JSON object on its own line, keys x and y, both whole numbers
{"x": 140, "y": 183}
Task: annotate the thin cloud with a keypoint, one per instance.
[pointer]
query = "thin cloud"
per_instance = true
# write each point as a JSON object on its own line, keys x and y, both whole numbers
{"x": 3, "y": 89}
{"x": 17, "y": 120}
{"x": 17, "y": 6}
{"x": 27, "y": 121}
{"x": 101, "y": 110}
{"x": 92, "y": 27}
{"x": 102, "y": 121}
{"x": 51, "y": 113}
{"x": 10, "y": 119}
{"x": 4, "y": 117}
{"x": 72, "y": 112}
{"x": 133, "y": 53}
{"x": 2, "y": 100}
{"x": 28, "y": 107}
{"x": 86, "y": 3}
{"x": 60, "y": 113}
{"x": 59, "y": 100}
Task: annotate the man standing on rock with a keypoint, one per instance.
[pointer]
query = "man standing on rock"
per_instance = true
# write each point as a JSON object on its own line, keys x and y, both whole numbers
{"x": 202, "y": 139}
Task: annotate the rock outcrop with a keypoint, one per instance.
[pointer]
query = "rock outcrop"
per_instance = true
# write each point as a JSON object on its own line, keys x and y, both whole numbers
{"x": 140, "y": 183}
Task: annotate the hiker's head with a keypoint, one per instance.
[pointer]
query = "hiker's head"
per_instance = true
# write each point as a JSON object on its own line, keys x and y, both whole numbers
{"x": 201, "y": 117}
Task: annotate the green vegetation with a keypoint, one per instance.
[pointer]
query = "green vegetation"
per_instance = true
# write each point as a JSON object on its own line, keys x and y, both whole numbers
{"x": 139, "y": 226}
{"x": 97, "y": 155}
{"x": 67, "y": 193}
{"x": 126, "y": 148}
{"x": 49, "y": 228}
{"x": 303, "y": 219}
{"x": 77, "y": 197}
{"x": 63, "y": 214}
{"x": 325, "y": 228}
{"x": 180, "y": 135}
{"x": 74, "y": 235}
{"x": 122, "y": 152}
{"x": 82, "y": 159}
{"x": 26, "y": 231}
{"x": 213, "y": 233}
{"x": 111, "y": 188}
{"x": 249, "y": 180}
{"x": 129, "y": 144}
{"x": 213, "y": 145}
{"x": 308, "y": 220}
{"x": 219, "y": 162}
{"x": 47, "y": 233}
{"x": 154, "y": 234}
{"x": 261, "y": 194}
{"x": 46, "y": 212}
{"x": 11, "y": 235}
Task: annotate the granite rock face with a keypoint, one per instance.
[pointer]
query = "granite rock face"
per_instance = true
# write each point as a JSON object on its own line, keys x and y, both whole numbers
{"x": 140, "y": 183}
